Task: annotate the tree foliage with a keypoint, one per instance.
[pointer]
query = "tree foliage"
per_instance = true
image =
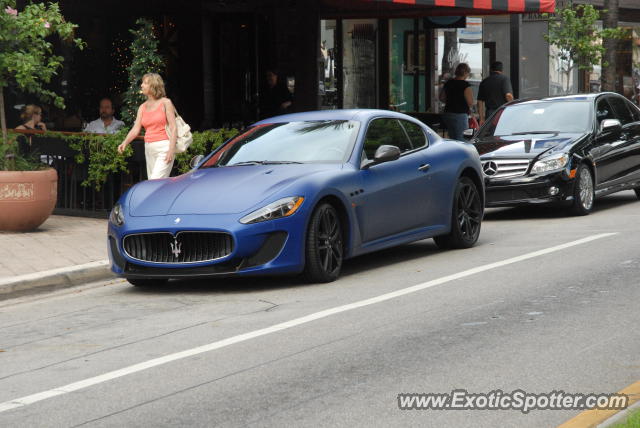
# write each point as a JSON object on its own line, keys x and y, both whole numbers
{"x": 574, "y": 32}
{"x": 27, "y": 58}
{"x": 145, "y": 59}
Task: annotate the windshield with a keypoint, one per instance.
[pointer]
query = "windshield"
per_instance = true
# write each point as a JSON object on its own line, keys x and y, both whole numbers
{"x": 540, "y": 118}
{"x": 291, "y": 142}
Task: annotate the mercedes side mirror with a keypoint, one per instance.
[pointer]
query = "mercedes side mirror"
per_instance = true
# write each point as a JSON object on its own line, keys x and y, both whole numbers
{"x": 468, "y": 133}
{"x": 611, "y": 128}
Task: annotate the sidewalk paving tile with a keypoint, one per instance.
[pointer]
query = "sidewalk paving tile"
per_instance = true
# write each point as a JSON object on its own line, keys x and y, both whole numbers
{"x": 62, "y": 241}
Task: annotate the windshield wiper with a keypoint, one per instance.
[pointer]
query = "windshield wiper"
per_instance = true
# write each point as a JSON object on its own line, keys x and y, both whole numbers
{"x": 535, "y": 132}
{"x": 246, "y": 163}
{"x": 277, "y": 162}
{"x": 261, "y": 163}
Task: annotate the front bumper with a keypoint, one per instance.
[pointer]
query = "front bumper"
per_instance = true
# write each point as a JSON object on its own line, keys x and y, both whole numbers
{"x": 271, "y": 247}
{"x": 530, "y": 190}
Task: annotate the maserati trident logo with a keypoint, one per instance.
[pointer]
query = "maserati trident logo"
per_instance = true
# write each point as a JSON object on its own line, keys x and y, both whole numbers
{"x": 490, "y": 168}
{"x": 176, "y": 247}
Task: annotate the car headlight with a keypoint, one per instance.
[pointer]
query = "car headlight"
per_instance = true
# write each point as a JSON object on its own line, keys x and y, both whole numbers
{"x": 550, "y": 163}
{"x": 281, "y": 208}
{"x": 117, "y": 216}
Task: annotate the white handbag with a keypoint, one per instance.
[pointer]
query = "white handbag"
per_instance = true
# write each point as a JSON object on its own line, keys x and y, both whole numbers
{"x": 185, "y": 138}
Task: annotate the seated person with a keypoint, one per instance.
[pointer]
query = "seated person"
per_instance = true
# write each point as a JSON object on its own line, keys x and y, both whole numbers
{"x": 106, "y": 124}
{"x": 32, "y": 118}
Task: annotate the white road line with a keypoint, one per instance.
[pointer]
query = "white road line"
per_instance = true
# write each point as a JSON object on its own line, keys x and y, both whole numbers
{"x": 34, "y": 398}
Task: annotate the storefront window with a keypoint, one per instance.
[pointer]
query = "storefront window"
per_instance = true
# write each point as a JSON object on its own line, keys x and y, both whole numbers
{"x": 405, "y": 72}
{"x": 534, "y": 78}
{"x": 457, "y": 45}
{"x": 563, "y": 75}
{"x": 327, "y": 81}
{"x": 360, "y": 77}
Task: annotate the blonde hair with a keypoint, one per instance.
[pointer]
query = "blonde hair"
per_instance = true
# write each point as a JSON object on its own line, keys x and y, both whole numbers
{"x": 156, "y": 85}
{"x": 29, "y": 111}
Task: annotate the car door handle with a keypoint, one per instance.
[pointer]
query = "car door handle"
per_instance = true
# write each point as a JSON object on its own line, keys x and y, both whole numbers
{"x": 424, "y": 167}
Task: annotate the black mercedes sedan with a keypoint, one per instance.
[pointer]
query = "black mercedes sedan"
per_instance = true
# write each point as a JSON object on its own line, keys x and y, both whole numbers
{"x": 566, "y": 150}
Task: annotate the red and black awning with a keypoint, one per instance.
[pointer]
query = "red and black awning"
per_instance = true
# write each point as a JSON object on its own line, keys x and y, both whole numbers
{"x": 479, "y": 7}
{"x": 442, "y": 7}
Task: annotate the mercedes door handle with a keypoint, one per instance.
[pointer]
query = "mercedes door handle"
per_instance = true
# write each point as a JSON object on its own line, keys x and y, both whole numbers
{"x": 424, "y": 167}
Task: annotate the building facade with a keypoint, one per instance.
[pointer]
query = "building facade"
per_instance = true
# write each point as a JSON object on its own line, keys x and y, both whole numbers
{"x": 391, "y": 54}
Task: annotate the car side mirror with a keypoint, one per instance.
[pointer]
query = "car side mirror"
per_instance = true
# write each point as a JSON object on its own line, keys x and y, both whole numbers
{"x": 195, "y": 161}
{"x": 468, "y": 133}
{"x": 611, "y": 128}
{"x": 384, "y": 153}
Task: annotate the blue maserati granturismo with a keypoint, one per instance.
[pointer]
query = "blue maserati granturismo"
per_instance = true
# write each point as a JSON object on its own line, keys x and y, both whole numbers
{"x": 300, "y": 193}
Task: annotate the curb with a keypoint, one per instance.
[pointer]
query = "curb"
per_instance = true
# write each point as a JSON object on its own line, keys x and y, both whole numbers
{"x": 620, "y": 417}
{"x": 601, "y": 418}
{"x": 54, "y": 279}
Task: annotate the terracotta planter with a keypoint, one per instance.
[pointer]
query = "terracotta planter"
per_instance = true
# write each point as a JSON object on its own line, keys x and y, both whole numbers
{"x": 27, "y": 198}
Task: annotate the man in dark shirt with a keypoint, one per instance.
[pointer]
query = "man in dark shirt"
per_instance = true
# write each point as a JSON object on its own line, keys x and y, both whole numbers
{"x": 276, "y": 98}
{"x": 494, "y": 91}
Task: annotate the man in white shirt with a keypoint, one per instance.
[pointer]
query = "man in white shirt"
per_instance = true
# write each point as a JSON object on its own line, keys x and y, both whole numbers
{"x": 106, "y": 124}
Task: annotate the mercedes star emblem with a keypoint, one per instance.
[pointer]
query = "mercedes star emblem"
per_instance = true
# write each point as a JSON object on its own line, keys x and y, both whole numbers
{"x": 490, "y": 168}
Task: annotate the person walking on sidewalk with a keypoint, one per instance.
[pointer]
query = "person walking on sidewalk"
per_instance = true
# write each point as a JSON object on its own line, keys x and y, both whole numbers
{"x": 154, "y": 115}
{"x": 458, "y": 98}
{"x": 494, "y": 91}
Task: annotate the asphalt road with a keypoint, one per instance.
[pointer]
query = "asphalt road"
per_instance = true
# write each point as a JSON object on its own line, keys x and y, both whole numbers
{"x": 561, "y": 319}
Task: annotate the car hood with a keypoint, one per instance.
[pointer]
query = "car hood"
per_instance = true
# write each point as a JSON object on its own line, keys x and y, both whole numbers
{"x": 225, "y": 190}
{"x": 527, "y": 146}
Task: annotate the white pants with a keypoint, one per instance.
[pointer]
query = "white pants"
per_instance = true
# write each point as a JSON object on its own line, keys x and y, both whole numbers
{"x": 156, "y": 154}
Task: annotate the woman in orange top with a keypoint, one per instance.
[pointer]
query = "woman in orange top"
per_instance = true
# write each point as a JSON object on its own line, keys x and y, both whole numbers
{"x": 154, "y": 115}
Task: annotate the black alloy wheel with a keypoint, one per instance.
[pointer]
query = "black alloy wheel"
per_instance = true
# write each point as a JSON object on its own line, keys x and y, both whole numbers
{"x": 324, "y": 246}
{"x": 583, "y": 192}
{"x": 136, "y": 282}
{"x": 466, "y": 217}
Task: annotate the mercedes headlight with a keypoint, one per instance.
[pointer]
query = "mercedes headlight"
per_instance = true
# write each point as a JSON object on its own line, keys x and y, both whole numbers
{"x": 117, "y": 216}
{"x": 550, "y": 163}
{"x": 281, "y": 208}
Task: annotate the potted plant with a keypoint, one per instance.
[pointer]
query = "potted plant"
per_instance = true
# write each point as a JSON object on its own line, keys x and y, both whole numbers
{"x": 28, "y": 194}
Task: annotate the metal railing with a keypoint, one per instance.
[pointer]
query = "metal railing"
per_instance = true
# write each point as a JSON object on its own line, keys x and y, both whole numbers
{"x": 73, "y": 197}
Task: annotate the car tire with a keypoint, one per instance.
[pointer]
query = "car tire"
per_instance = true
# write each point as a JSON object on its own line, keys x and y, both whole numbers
{"x": 466, "y": 217}
{"x": 147, "y": 282}
{"x": 637, "y": 190}
{"x": 324, "y": 249}
{"x": 583, "y": 192}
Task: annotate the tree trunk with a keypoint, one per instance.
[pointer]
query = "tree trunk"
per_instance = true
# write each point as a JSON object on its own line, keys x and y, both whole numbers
{"x": 609, "y": 66}
{"x": 3, "y": 118}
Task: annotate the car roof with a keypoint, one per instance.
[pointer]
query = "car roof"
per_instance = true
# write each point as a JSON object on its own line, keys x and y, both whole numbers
{"x": 360, "y": 115}
{"x": 574, "y": 97}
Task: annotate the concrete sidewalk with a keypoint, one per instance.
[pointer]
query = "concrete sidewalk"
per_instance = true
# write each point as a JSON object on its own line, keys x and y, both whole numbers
{"x": 63, "y": 251}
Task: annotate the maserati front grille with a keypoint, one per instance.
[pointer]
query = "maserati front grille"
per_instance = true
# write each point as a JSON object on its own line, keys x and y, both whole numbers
{"x": 184, "y": 247}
